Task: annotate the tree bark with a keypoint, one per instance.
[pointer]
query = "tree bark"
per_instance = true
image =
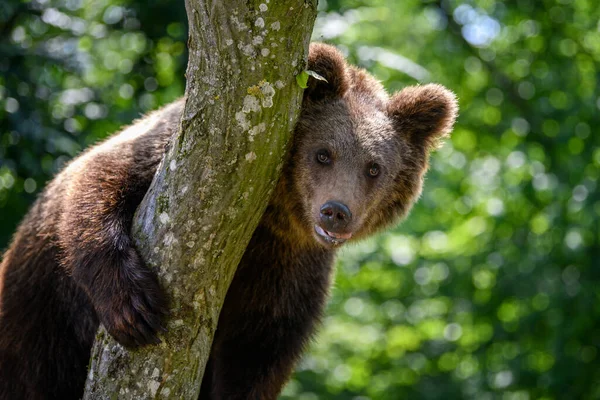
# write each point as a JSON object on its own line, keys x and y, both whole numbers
{"x": 213, "y": 185}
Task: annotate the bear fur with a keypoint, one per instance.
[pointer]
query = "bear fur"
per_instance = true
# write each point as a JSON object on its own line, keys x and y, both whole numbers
{"x": 356, "y": 165}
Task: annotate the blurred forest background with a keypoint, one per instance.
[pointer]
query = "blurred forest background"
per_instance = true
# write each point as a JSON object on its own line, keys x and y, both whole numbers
{"x": 490, "y": 289}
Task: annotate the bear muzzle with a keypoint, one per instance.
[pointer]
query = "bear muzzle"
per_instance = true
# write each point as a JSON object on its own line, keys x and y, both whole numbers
{"x": 334, "y": 219}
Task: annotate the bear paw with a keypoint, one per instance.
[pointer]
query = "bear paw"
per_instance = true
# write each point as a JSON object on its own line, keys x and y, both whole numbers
{"x": 133, "y": 305}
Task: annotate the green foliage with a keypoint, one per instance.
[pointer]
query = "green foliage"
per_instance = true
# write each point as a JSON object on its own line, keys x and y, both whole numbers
{"x": 71, "y": 72}
{"x": 490, "y": 288}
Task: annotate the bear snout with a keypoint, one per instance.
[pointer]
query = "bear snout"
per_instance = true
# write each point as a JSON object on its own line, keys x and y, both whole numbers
{"x": 335, "y": 216}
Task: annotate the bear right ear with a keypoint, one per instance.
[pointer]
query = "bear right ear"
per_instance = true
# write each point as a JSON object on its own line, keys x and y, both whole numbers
{"x": 328, "y": 62}
{"x": 425, "y": 114}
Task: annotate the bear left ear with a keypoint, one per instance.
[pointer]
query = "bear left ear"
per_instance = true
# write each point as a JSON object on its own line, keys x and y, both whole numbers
{"x": 329, "y": 63}
{"x": 425, "y": 113}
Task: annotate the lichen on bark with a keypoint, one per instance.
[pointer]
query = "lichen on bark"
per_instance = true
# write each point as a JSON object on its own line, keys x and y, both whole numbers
{"x": 211, "y": 189}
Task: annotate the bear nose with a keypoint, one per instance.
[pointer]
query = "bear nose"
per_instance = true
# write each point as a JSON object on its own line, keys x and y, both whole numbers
{"x": 335, "y": 216}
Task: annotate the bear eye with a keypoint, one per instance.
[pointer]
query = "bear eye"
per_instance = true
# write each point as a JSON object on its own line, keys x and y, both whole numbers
{"x": 374, "y": 170}
{"x": 323, "y": 157}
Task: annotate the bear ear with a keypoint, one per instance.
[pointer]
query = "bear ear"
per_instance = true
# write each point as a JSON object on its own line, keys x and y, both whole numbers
{"x": 328, "y": 62}
{"x": 426, "y": 114}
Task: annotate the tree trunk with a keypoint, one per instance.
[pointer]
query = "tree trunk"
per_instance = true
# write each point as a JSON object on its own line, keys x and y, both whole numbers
{"x": 213, "y": 185}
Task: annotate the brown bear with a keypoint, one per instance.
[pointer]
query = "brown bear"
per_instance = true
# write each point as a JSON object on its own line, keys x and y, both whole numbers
{"x": 356, "y": 165}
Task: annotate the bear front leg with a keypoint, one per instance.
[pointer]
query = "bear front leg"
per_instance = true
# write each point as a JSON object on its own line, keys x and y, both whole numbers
{"x": 100, "y": 255}
{"x": 257, "y": 361}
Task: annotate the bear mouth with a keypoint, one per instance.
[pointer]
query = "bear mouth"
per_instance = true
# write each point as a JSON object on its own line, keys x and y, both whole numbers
{"x": 332, "y": 238}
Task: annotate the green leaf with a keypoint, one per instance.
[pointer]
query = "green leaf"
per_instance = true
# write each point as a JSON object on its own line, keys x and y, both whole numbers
{"x": 302, "y": 79}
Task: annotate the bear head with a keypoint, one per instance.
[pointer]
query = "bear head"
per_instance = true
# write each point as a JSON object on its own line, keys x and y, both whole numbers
{"x": 358, "y": 155}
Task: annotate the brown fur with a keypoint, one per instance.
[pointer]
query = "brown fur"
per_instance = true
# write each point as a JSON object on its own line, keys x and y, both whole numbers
{"x": 72, "y": 264}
